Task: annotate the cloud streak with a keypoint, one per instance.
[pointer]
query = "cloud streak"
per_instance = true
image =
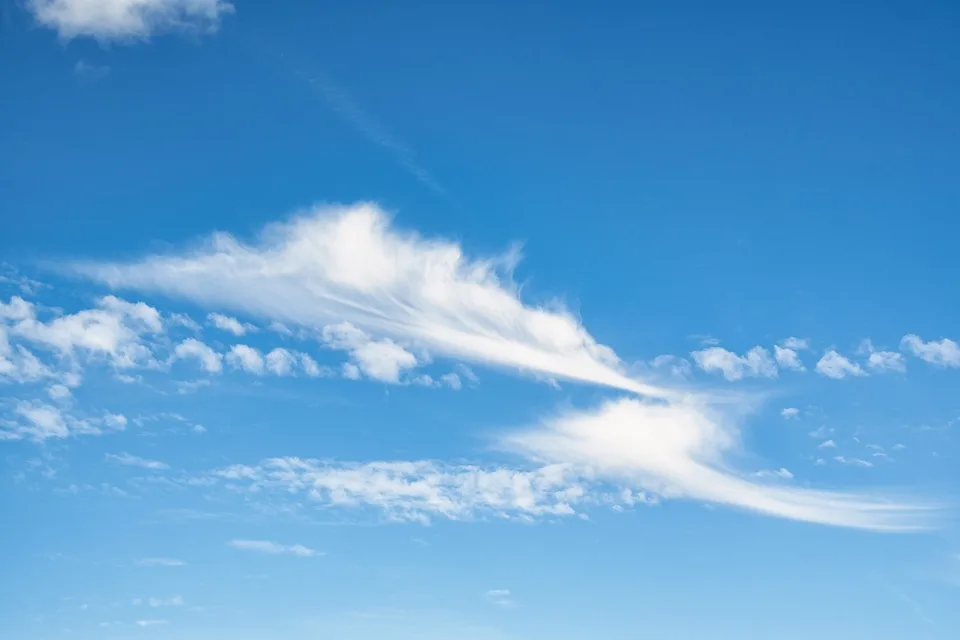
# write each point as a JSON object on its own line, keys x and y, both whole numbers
{"x": 350, "y": 264}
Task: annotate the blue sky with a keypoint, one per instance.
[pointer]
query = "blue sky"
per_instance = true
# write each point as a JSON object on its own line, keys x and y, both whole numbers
{"x": 479, "y": 320}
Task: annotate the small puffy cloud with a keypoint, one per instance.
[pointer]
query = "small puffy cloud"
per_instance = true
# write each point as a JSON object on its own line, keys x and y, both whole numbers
{"x": 788, "y": 358}
{"x": 229, "y": 324}
{"x": 281, "y": 362}
{"x": 382, "y": 360}
{"x": 134, "y": 461}
{"x": 789, "y": 413}
{"x": 38, "y": 421}
{"x": 878, "y": 360}
{"x": 674, "y": 365}
{"x": 126, "y": 20}
{"x": 193, "y": 349}
{"x": 755, "y": 363}
{"x": 828, "y": 444}
{"x": 184, "y": 320}
{"x": 834, "y": 365}
{"x": 246, "y": 358}
{"x": 451, "y": 380}
{"x": 944, "y": 352}
{"x": 279, "y": 327}
{"x": 173, "y": 601}
{"x": 273, "y": 548}
{"x": 310, "y": 366}
{"x": 160, "y": 562}
{"x": 59, "y": 392}
{"x": 796, "y": 344}
{"x": 899, "y": 447}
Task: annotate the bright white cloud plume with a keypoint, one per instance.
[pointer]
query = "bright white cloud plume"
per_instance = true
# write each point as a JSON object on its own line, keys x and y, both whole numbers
{"x": 945, "y": 352}
{"x": 107, "y": 20}
{"x": 273, "y": 548}
{"x": 678, "y": 451}
{"x": 755, "y": 363}
{"x": 349, "y": 264}
{"x": 834, "y": 365}
{"x": 191, "y": 348}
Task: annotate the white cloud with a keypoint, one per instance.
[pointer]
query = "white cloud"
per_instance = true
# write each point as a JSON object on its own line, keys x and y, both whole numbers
{"x": 834, "y": 365}
{"x": 191, "y": 348}
{"x": 755, "y": 363}
{"x": 625, "y": 448}
{"x": 113, "y": 331}
{"x": 783, "y": 474}
{"x": 500, "y": 597}
{"x": 273, "y": 548}
{"x": 59, "y": 392}
{"x": 878, "y": 360}
{"x": 382, "y": 360}
{"x": 150, "y": 623}
{"x": 451, "y": 380}
{"x": 945, "y": 352}
{"x": 247, "y": 358}
{"x": 417, "y": 490}
{"x": 827, "y": 444}
{"x": 35, "y": 420}
{"x": 349, "y": 264}
{"x": 678, "y": 451}
{"x": 123, "y": 20}
{"x": 310, "y": 366}
{"x": 790, "y": 413}
{"x": 160, "y": 562}
{"x": 279, "y": 327}
{"x": 796, "y": 344}
{"x": 856, "y": 462}
{"x": 184, "y": 320}
{"x": 674, "y": 365}
{"x": 229, "y": 324}
{"x": 134, "y": 461}
{"x": 173, "y": 601}
{"x": 788, "y": 359}
{"x": 281, "y": 362}
{"x": 899, "y": 447}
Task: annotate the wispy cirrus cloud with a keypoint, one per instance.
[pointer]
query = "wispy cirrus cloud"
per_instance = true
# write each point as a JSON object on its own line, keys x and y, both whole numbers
{"x": 273, "y": 548}
{"x": 350, "y": 264}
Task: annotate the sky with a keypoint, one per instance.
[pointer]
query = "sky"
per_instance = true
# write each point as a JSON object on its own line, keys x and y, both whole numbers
{"x": 481, "y": 320}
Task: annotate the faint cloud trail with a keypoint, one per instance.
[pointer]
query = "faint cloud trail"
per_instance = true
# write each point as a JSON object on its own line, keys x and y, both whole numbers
{"x": 344, "y": 105}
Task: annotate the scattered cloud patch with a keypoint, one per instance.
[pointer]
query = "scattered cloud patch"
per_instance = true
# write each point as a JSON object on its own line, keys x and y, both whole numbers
{"x": 245, "y": 358}
{"x": 833, "y": 365}
{"x": 783, "y": 474}
{"x": 134, "y": 461}
{"x": 193, "y": 349}
{"x": 381, "y": 360}
{"x": 943, "y": 353}
{"x": 827, "y": 444}
{"x": 160, "y": 562}
{"x": 127, "y": 20}
{"x": 273, "y": 548}
{"x": 878, "y": 360}
{"x": 500, "y": 598}
{"x": 755, "y": 363}
{"x": 855, "y": 462}
{"x": 788, "y": 359}
{"x": 790, "y": 413}
{"x": 230, "y": 324}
